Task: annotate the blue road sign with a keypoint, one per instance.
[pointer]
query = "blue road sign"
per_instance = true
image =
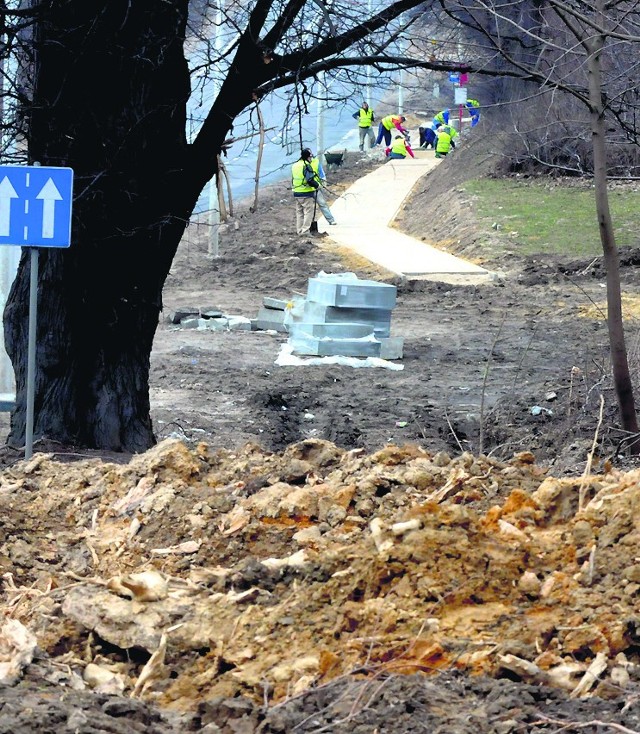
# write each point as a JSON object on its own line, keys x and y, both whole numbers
{"x": 454, "y": 77}
{"x": 35, "y": 206}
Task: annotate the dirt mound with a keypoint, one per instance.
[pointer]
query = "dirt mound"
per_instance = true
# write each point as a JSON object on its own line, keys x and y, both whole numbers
{"x": 200, "y": 575}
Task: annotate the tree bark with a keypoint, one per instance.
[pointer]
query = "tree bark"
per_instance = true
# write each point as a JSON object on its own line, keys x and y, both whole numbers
{"x": 615, "y": 324}
{"x": 113, "y": 108}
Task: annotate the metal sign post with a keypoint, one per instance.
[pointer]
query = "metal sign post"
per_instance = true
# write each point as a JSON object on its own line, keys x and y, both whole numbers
{"x": 35, "y": 211}
{"x": 460, "y": 99}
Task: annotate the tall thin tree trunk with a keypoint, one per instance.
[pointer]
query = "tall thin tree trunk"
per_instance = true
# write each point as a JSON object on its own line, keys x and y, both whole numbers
{"x": 619, "y": 358}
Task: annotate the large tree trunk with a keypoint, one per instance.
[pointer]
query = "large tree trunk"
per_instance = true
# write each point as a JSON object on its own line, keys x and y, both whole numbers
{"x": 109, "y": 100}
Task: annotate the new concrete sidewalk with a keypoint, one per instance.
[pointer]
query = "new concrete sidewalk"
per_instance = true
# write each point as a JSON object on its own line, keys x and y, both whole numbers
{"x": 365, "y": 211}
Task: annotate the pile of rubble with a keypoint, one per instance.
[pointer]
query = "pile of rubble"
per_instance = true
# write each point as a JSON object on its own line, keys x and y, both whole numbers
{"x": 186, "y": 575}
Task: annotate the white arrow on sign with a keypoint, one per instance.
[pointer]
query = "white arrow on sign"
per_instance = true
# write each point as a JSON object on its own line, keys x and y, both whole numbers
{"x": 7, "y": 192}
{"x": 49, "y": 195}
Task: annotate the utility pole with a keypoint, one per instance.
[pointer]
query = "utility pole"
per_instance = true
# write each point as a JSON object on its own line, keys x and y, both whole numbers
{"x": 368, "y": 83}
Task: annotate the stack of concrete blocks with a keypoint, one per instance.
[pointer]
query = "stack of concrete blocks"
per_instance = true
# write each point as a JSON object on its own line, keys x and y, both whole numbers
{"x": 345, "y": 316}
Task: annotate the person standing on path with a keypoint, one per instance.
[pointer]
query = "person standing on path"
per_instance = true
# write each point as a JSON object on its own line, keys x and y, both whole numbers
{"x": 304, "y": 184}
{"x": 365, "y": 117}
{"x": 399, "y": 149}
{"x": 384, "y": 128}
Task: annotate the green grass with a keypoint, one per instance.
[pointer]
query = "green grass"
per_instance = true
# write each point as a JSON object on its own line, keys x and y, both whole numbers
{"x": 543, "y": 218}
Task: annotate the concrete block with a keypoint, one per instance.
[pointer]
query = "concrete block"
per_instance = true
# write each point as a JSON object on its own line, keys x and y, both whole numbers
{"x": 305, "y": 344}
{"x": 175, "y": 317}
{"x": 271, "y": 314}
{"x": 210, "y": 313}
{"x": 238, "y": 323}
{"x": 332, "y": 331}
{"x": 392, "y": 348}
{"x": 351, "y": 292}
{"x": 377, "y": 318}
{"x": 215, "y": 324}
{"x": 276, "y": 303}
{"x": 190, "y": 323}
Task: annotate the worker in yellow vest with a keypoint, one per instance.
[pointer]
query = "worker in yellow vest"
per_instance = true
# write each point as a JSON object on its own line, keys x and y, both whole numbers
{"x": 304, "y": 184}
{"x": 399, "y": 149}
{"x": 386, "y": 125}
{"x": 474, "y": 110}
{"x": 365, "y": 117}
{"x": 445, "y": 142}
{"x": 442, "y": 117}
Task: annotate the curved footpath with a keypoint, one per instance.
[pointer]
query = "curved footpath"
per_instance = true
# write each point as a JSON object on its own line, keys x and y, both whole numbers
{"x": 365, "y": 211}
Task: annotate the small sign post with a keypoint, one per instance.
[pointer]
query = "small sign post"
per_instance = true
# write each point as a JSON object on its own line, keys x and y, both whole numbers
{"x": 35, "y": 211}
{"x": 461, "y": 99}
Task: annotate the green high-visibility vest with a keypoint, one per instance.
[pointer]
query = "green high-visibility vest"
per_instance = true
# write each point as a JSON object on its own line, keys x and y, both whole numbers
{"x": 366, "y": 118}
{"x": 298, "y": 183}
{"x": 389, "y": 121}
{"x": 399, "y": 146}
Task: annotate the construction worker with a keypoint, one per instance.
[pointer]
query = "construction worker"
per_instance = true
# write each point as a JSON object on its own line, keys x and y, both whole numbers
{"x": 428, "y": 136}
{"x": 304, "y": 184}
{"x": 399, "y": 148}
{"x": 365, "y": 117}
{"x": 474, "y": 110}
{"x": 445, "y": 142}
{"x": 442, "y": 117}
{"x": 384, "y": 128}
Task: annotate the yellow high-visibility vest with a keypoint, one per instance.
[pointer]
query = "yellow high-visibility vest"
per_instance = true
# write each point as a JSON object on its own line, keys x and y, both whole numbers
{"x": 366, "y": 118}
{"x": 399, "y": 146}
{"x": 390, "y": 121}
{"x": 298, "y": 183}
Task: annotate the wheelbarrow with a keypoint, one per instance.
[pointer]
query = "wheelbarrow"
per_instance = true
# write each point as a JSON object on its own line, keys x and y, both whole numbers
{"x": 334, "y": 159}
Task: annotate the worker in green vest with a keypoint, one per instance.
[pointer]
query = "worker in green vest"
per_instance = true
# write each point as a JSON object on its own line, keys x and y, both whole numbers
{"x": 399, "y": 148}
{"x": 445, "y": 142}
{"x": 385, "y": 126}
{"x": 304, "y": 184}
{"x": 365, "y": 117}
{"x": 442, "y": 117}
{"x": 474, "y": 110}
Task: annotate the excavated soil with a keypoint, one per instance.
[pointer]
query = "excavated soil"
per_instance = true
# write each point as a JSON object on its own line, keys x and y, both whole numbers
{"x": 330, "y": 549}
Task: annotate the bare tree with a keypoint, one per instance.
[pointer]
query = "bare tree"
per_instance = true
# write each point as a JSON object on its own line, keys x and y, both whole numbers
{"x": 104, "y": 91}
{"x": 585, "y": 53}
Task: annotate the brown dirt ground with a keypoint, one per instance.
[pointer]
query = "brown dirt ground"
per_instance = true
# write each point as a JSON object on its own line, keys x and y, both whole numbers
{"x": 423, "y": 555}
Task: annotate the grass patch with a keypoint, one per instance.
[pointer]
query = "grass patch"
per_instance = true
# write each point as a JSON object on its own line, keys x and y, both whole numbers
{"x": 541, "y": 218}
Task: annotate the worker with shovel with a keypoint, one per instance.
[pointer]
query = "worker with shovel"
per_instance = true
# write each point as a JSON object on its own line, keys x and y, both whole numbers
{"x": 305, "y": 184}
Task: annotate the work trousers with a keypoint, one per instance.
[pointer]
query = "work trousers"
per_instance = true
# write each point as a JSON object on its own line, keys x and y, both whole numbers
{"x": 383, "y": 133}
{"x": 366, "y": 133}
{"x": 305, "y": 208}
{"x": 323, "y": 206}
